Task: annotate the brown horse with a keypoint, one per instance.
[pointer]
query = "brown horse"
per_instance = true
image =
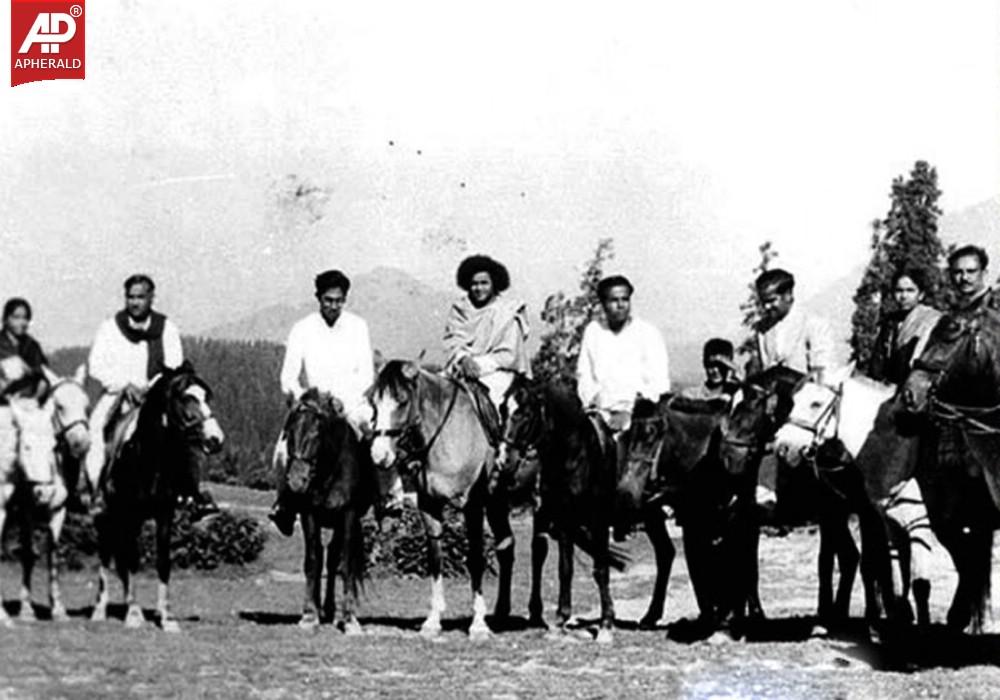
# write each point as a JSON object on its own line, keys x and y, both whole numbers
{"x": 432, "y": 420}
{"x": 328, "y": 479}
{"x": 955, "y": 389}
{"x": 552, "y": 452}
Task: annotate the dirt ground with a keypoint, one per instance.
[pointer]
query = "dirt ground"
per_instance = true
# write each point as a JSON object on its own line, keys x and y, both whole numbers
{"x": 239, "y": 639}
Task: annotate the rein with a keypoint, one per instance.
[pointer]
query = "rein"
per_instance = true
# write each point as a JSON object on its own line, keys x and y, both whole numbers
{"x": 409, "y": 430}
{"x": 830, "y": 413}
{"x": 62, "y": 429}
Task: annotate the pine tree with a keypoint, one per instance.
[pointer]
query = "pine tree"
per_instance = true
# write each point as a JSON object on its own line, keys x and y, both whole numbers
{"x": 565, "y": 318}
{"x": 751, "y": 307}
{"x": 906, "y": 239}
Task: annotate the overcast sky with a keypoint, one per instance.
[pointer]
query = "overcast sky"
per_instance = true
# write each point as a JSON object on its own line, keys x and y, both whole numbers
{"x": 689, "y": 132}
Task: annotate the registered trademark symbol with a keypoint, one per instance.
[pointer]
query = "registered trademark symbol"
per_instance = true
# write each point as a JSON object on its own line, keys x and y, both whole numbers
{"x": 76, "y": 10}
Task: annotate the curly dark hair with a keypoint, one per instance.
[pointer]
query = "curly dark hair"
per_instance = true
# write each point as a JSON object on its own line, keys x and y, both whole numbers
{"x": 482, "y": 263}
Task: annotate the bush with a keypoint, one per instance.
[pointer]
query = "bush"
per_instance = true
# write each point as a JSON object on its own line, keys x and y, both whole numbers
{"x": 225, "y": 538}
{"x": 400, "y": 548}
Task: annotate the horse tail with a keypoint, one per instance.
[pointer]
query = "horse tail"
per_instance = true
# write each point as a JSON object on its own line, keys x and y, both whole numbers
{"x": 355, "y": 559}
{"x": 980, "y": 593}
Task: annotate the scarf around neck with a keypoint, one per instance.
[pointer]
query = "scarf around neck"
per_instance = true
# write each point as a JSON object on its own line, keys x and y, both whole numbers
{"x": 152, "y": 336}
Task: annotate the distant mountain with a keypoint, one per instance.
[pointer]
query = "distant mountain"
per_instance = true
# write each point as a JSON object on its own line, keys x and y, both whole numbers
{"x": 404, "y": 315}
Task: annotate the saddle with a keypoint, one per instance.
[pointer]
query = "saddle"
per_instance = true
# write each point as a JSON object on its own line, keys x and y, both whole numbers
{"x": 487, "y": 413}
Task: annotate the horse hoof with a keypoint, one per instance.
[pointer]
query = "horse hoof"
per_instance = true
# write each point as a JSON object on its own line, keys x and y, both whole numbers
{"x": 718, "y": 639}
{"x": 352, "y": 628}
{"x": 59, "y": 614}
{"x": 480, "y": 633}
{"x": 27, "y": 613}
{"x": 604, "y": 636}
{"x": 170, "y": 626}
{"x": 100, "y": 614}
{"x": 819, "y": 631}
{"x": 648, "y": 623}
{"x": 134, "y": 621}
{"x": 7, "y": 624}
{"x": 308, "y": 622}
{"x": 430, "y": 631}
{"x": 537, "y": 622}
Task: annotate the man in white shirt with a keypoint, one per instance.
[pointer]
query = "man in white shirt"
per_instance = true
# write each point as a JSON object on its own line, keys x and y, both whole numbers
{"x": 786, "y": 335}
{"x": 621, "y": 357}
{"x": 129, "y": 350}
{"x": 328, "y": 350}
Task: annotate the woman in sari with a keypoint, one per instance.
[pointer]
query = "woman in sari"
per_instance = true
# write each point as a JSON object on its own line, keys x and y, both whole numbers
{"x": 905, "y": 331}
{"x": 23, "y": 363}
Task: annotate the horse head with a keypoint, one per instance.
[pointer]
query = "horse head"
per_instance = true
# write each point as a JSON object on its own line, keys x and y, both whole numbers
{"x": 188, "y": 409}
{"x": 813, "y": 417}
{"x": 36, "y": 444}
{"x": 959, "y": 364}
{"x": 69, "y": 415}
{"x": 304, "y": 435}
{"x": 526, "y": 426}
{"x": 396, "y": 424}
{"x": 760, "y": 407}
{"x": 644, "y": 442}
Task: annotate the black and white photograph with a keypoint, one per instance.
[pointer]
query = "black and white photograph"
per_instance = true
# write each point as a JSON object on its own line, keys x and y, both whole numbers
{"x": 500, "y": 350}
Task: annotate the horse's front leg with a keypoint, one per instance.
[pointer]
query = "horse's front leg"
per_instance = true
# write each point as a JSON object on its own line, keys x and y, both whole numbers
{"x": 128, "y": 569}
{"x": 499, "y": 517}
{"x": 105, "y": 552}
{"x": 164, "y": 525}
{"x": 56, "y": 522}
{"x": 5, "y": 493}
{"x": 476, "y": 565}
{"x": 312, "y": 567}
{"x": 847, "y": 562}
{"x": 565, "y": 609}
{"x": 664, "y": 551}
{"x": 26, "y": 533}
{"x": 351, "y": 547}
{"x": 825, "y": 569}
{"x": 539, "y": 551}
{"x": 434, "y": 528}
{"x": 602, "y": 577}
{"x": 334, "y": 554}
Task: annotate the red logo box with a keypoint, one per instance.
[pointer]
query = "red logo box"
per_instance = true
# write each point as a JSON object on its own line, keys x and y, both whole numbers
{"x": 47, "y": 41}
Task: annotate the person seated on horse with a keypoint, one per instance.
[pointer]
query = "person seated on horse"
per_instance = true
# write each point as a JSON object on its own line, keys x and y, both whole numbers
{"x": 787, "y": 336}
{"x": 130, "y": 349}
{"x": 330, "y": 349}
{"x": 485, "y": 336}
{"x": 32, "y": 380}
{"x": 621, "y": 357}
{"x": 721, "y": 380}
{"x": 904, "y": 332}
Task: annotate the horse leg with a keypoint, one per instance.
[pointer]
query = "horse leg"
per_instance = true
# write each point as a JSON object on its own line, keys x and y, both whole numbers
{"x": 431, "y": 626}
{"x": 55, "y": 594}
{"x": 697, "y": 554}
{"x": 847, "y": 563}
{"x": 334, "y": 553}
{"x": 104, "y": 554}
{"x": 499, "y": 518}
{"x": 164, "y": 522}
{"x": 825, "y": 610}
{"x": 539, "y": 551}
{"x": 351, "y": 549}
{"x": 749, "y": 544}
{"x": 922, "y": 596}
{"x": 476, "y": 564}
{"x": 664, "y": 550}
{"x": 5, "y": 493}
{"x": 971, "y": 601}
{"x": 26, "y": 532}
{"x": 565, "y": 609}
{"x": 602, "y": 577}
{"x": 312, "y": 566}
{"x": 128, "y": 568}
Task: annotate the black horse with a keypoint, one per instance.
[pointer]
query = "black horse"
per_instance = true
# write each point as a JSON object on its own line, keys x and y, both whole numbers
{"x": 955, "y": 389}
{"x": 673, "y": 460}
{"x": 329, "y": 481}
{"x": 152, "y": 461}
{"x": 552, "y": 450}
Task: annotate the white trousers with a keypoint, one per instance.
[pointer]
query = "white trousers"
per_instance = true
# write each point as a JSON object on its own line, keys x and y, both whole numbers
{"x": 96, "y": 455}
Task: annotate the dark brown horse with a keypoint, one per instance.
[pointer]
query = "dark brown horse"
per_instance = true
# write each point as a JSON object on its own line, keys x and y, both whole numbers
{"x": 329, "y": 481}
{"x": 145, "y": 475}
{"x": 955, "y": 388}
{"x": 551, "y": 448}
{"x": 673, "y": 460}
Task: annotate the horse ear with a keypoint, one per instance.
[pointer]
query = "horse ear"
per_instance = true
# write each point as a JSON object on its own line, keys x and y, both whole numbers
{"x": 421, "y": 356}
{"x": 378, "y": 360}
{"x": 410, "y": 370}
{"x": 80, "y": 376}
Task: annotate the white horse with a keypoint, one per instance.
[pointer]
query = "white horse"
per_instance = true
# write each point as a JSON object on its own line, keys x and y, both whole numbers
{"x": 33, "y": 440}
{"x": 854, "y": 409}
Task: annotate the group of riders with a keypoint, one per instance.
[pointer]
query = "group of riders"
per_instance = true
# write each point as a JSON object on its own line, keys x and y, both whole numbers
{"x": 621, "y": 356}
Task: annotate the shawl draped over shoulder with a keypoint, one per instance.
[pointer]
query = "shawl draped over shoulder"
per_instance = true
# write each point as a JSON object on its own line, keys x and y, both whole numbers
{"x": 494, "y": 335}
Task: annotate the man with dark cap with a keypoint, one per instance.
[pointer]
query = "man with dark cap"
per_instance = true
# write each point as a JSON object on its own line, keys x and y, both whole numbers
{"x": 720, "y": 372}
{"x": 485, "y": 337}
{"x": 330, "y": 349}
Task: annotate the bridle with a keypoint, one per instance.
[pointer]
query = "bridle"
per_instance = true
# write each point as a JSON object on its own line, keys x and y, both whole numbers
{"x": 649, "y": 458}
{"x": 528, "y": 444}
{"x": 183, "y": 423}
{"x": 819, "y": 427}
{"x": 302, "y": 408}
{"x": 63, "y": 428}
{"x": 411, "y": 446}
